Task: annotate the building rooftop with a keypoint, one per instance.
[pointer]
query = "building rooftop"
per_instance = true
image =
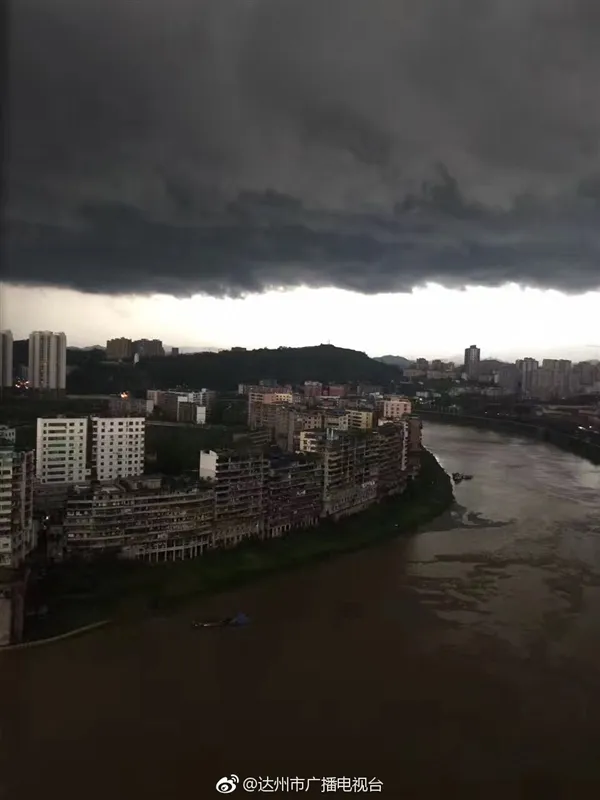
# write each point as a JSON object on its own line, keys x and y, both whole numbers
{"x": 139, "y": 485}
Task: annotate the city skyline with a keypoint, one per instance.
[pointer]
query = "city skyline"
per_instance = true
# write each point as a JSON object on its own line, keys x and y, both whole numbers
{"x": 434, "y": 322}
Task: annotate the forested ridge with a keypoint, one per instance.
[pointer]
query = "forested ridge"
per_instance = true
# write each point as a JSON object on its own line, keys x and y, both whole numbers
{"x": 89, "y": 373}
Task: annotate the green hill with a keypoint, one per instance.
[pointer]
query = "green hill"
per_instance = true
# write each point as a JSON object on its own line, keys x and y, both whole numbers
{"x": 226, "y": 369}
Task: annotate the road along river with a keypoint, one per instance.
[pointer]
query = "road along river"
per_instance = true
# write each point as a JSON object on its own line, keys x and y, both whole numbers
{"x": 468, "y": 652}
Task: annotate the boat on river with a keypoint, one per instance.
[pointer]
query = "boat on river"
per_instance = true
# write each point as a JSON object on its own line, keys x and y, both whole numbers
{"x": 226, "y": 622}
{"x": 457, "y": 477}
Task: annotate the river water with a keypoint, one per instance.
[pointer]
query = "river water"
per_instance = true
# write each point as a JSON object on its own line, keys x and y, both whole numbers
{"x": 467, "y": 653}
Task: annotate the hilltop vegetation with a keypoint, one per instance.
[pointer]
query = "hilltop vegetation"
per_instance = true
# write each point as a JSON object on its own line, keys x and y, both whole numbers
{"x": 226, "y": 369}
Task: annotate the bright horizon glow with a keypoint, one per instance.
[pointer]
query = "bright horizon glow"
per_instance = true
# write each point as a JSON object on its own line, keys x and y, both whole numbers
{"x": 432, "y": 322}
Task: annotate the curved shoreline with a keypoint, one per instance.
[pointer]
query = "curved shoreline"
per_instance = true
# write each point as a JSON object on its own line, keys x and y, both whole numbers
{"x": 164, "y": 587}
{"x": 59, "y": 637}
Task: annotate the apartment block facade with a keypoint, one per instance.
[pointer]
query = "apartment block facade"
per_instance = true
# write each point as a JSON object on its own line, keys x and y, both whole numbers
{"x": 147, "y": 348}
{"x": 61, "y": 450}
{"x": 393, "y": 472}
{"x": 191, "y": 413}
{"x": 350, "y": 473}
{"x": 359, "y": 419}
{"x": 394, "y": 407}
{"x": 239, "y": 484}
{"x": 117, "y": 447}
{"x": 47, "y": 369}
{"x": 120, "y": 349}
{"x": 141, "y": 519}
{"x": 294, "y": 490}
{"x": 17, "y": 528}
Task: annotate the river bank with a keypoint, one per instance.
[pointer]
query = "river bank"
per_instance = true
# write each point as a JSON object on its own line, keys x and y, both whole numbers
{"x": 81, "y": 594}
{"x": 534, "y": 430}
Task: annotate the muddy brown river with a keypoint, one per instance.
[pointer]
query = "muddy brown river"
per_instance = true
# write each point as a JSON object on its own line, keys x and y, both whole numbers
{"x": 466, "y": 654}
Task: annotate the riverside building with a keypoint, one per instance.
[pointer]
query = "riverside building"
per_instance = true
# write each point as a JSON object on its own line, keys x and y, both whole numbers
{"x": 146, "y": 518}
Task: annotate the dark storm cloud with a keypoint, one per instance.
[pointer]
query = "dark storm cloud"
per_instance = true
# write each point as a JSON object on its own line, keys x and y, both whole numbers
{"x": 230, "y": 146}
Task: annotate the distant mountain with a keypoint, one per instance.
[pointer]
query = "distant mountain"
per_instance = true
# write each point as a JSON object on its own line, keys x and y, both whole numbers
{"x": 395, "y": 361}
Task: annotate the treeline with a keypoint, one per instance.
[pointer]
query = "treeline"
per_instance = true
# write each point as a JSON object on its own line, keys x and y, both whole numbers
{"x": 225, "y": 370}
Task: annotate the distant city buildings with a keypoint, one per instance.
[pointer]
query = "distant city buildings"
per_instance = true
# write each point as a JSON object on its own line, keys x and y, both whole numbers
{"x": 47, "y": 369}
{"x": 119, "y": 349}
{"x": 472, "y": 361}
{"x": 125, "y": 406}
{"x": 176, "y": 406}
{"x": 146, "y": 348}
{"x": 6, "y": 359}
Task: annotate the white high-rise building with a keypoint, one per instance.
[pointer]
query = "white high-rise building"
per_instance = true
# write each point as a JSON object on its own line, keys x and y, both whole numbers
{"x": 6, "y": 358}
{"x": 47, "y": 360}
{"x": 61, "y": 450}
{"x": 117, "y": 447}
{"x": 17, "y": 529}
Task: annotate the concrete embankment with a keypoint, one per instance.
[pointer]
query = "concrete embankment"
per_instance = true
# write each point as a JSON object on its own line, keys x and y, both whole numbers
{"x": 535, "y": 430}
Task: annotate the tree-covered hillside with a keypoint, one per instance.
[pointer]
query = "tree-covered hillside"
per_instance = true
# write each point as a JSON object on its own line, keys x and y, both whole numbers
{"x": 226, "y": 369}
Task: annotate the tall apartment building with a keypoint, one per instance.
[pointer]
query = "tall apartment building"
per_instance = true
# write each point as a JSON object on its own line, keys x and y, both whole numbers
{"x": 119, "y": 349}
{"x": 415, "y": 445}
{"x": 392, "y": 440}
{"x": 61, "y": 450}
{"x": 143, "y": 518}
{"x": 47, "y": 361}
{"x": 294, "y": 490}
{"x": 553, "y": 378}
{"x": 350, "y": 473}
{"x": 6, "y": 359}
{"x": 117, "y": 447}
{"x": 508, "y": 377}
{"x": 145, "y": 348}
{"x": 259, "y": 396}
{"x": 239, "y": 484}
{"x": 527, "y": 369}
{"x": 17, "y": 530}
{"x": 472, "y": 361}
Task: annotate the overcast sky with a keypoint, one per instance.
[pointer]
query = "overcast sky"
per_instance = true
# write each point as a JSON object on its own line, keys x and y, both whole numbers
{"x": 357, "y": 149}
